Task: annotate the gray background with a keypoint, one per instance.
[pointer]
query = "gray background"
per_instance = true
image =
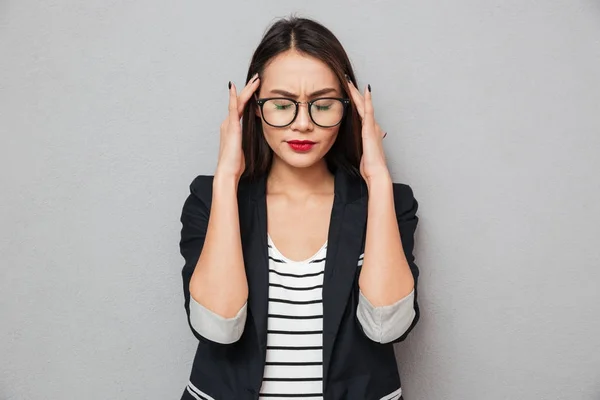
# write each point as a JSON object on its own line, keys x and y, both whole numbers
{"x": 108, "y": 109}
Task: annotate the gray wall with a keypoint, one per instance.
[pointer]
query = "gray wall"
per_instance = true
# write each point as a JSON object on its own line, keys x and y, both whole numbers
{"x": 109, "y": 109}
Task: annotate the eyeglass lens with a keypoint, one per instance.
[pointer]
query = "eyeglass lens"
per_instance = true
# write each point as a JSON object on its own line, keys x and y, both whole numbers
{"x": 324, "y": 112}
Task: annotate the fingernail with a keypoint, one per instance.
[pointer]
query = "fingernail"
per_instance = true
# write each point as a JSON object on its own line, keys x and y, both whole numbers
{"x": 369, "y": 86}
{"x": 229, "y": 85}
{"x": 347, "y": 78}
{"x": 255, "y": 78}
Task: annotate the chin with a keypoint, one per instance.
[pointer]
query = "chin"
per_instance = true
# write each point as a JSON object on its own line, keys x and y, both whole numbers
{"x": 300, "y": 160}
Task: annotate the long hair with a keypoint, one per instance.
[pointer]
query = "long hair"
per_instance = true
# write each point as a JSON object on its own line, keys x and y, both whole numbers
{"x": 313, "y": 39}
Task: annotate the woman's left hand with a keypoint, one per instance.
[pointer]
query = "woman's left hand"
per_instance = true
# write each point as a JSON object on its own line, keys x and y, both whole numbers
{"x": 372, "y": 163}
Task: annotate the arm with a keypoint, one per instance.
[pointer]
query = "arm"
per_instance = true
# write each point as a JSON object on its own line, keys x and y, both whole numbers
{"x": 388, "y": 309}
{"x": 214, "y": 276}
{"x": 386, "y": 276}
{"x": 219, "y": 279}
{"x": 389, "y": 273}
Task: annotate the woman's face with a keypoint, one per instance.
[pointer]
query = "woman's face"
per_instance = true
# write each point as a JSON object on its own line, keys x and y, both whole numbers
{"x": 302, "y": 78}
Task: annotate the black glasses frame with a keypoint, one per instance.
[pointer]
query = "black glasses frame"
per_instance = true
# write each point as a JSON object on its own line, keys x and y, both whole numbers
{"x": 261, "y": 103}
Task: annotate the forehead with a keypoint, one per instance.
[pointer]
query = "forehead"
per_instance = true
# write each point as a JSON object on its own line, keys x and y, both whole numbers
{"x": 295, "y": 70}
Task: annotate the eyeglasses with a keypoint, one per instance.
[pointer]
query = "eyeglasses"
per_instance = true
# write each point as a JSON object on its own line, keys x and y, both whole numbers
{"x": 325, "y": 112}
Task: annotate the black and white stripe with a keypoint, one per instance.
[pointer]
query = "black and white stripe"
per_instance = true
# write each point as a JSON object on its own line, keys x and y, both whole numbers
{"x": 294, "y": 364}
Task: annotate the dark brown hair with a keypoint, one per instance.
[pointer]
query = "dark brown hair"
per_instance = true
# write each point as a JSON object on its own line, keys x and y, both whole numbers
{"x": 313, "y": 39}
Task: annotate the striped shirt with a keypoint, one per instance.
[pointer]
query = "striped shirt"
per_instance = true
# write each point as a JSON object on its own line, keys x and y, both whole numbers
{"x": 294, "y": 363}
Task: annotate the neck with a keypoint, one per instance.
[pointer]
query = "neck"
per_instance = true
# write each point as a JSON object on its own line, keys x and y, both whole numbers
{"x": 284, "y": 178}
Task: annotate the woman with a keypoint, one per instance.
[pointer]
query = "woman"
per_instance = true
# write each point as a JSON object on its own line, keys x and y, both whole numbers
{"x": 299, "y": 274}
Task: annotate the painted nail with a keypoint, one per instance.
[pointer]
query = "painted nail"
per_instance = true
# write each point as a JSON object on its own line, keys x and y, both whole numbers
{"x": 369, "y": 86}
{"x": 229, "y": 85}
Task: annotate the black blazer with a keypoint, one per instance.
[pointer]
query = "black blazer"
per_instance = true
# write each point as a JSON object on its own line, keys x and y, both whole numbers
{"x": 354, "y": 366}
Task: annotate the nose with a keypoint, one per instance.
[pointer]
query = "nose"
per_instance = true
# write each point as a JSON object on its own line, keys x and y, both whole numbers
{"x": 302, "y": 121}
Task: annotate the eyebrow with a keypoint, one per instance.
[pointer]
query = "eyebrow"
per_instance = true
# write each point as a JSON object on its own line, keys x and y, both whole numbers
{"x": 295, "y": 96}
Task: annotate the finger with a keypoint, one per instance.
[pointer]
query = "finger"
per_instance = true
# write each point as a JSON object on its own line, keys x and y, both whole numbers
{"x": 357, "y": 99}
{"x": 233, "y": 108}
{"x": 247, "y": 93}
{"x": 369, "y": 117}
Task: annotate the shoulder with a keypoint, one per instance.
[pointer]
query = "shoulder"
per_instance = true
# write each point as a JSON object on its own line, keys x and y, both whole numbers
{"x": 403, "y": 191}
{"x": 404, "y": 199}
{"x": 198, "y": 200}
{"x": 201, "y": 187}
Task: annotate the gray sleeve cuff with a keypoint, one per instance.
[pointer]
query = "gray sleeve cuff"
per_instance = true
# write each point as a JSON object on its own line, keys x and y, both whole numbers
{"x": 214, "y": 327}
{"x": 386, "y": 323}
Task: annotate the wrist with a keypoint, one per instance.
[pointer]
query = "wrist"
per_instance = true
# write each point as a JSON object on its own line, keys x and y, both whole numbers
{"x": 223, "y": 180}
{"x": 382, "y": 180}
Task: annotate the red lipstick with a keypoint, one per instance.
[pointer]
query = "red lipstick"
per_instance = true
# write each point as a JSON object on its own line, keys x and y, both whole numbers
{"x": 301, "y": 145}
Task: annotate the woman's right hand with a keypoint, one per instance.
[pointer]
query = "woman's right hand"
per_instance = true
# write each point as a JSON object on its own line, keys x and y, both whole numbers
{"x": 231, "y": 162}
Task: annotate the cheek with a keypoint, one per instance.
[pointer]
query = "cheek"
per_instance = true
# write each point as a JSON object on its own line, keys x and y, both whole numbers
{"x": 272, "y": 136}
{"x": 330, "y": 137}
{"x": 268, "y": 132}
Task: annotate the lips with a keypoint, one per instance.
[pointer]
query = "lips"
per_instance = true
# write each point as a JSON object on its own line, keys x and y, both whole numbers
{"x": 301, "y": 145}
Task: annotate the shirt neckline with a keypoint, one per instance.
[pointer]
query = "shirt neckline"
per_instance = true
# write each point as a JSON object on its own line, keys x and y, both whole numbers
{"x": 287, "y": 260}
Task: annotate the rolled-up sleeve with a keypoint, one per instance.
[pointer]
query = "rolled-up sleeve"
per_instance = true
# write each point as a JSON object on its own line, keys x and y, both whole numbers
{"x": 386, "y": 323}
{"x": 214, "y": 327}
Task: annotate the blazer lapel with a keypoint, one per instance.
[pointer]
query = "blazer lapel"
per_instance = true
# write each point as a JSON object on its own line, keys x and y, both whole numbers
{"x": 345, "y": 243}
{"x": 254, "y": 239}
